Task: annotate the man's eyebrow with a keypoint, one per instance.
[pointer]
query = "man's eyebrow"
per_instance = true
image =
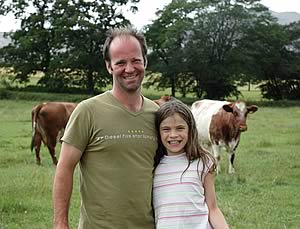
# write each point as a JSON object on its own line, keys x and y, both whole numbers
{"x": 120, "y": 61}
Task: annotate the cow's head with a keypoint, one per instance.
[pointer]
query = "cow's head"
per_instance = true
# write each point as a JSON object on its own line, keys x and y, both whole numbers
{"x": 240, "y": 111}
{"x": 163, "y": 99}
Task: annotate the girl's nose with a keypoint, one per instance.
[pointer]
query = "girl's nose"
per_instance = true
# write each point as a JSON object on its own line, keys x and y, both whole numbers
{"x": 173, "y": 133}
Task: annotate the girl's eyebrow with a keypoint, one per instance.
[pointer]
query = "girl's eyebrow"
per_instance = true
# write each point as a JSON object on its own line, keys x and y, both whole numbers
{"x": 164, "y": 126}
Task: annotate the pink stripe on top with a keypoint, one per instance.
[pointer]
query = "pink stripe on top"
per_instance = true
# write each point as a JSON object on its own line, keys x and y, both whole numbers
{"x": 178, "y": 198}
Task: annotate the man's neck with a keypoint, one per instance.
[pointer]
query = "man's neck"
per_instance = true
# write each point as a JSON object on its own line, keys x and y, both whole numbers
{"x": 132, "y": 101}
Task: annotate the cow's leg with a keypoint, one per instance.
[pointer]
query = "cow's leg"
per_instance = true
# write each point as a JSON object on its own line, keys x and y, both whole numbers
{"x": 52, "y": 154}
{"x": 231, "y": 156}
{"x": 37, "y": 154}
{"x": 36, "y": 143}
{"x": 51, "y": 147}
{"x": 216, "y": 154}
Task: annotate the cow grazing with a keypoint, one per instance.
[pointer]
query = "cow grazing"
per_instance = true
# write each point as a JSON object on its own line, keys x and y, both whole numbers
{"x": 163, "y": 99}
{"x": 48, "y": 122}
{"x": 220, "y": 124}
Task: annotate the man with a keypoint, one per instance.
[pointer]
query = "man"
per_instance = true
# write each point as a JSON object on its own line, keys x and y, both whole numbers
{"x": 112, "y": 137}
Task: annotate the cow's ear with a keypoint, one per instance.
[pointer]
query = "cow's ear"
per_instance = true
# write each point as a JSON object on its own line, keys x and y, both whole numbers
{"x": 228, "y": 107}
{"x": 252, "y": 109}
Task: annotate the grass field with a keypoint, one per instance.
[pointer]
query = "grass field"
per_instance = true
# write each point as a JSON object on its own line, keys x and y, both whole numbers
{"x": 263, "y": 194}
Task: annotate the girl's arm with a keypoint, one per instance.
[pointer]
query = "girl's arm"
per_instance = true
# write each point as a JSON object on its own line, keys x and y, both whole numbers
{"x": 216, "y": 217}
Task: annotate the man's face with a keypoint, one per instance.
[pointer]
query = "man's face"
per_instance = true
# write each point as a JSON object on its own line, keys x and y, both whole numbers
{"x": 127, "y": 64}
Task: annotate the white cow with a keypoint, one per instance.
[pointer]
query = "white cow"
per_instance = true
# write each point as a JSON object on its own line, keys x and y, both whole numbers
{"x": 220, "y": 124}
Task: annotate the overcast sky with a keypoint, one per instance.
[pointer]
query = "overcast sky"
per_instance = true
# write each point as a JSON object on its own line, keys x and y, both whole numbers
{"x": 147, "y": 9}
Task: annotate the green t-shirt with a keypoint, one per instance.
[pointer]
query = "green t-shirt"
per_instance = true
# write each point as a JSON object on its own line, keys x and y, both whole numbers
{"x": 116, "y": 166}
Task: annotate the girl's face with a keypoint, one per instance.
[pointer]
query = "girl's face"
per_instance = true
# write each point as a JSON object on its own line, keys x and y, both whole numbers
{"x": 174, "y": 134}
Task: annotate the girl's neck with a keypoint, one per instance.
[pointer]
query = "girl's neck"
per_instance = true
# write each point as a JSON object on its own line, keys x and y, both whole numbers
{"x": 176, "y": 155}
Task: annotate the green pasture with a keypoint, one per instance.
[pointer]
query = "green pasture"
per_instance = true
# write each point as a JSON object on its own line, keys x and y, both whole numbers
{"x": 263, "y": 194}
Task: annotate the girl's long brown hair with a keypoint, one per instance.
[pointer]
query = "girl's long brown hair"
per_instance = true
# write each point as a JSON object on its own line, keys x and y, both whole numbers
{"x": 193, "y": 149}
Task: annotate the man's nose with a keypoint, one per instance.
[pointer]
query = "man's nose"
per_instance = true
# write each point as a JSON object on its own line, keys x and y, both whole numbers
{"x": 129, "y": 67}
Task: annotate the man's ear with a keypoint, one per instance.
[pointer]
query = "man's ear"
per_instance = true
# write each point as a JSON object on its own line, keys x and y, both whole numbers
{"x": 108, "y": 67}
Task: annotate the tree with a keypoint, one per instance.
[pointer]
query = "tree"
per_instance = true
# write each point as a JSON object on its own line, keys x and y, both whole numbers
{"x": 274, "y": 52}
{"x": 63, "y": 39}
{"x": 4, "y": 9}
{"x": 199, "y": 44}
{"x": 29, "y": 51}
{"x": 166, "y": 38}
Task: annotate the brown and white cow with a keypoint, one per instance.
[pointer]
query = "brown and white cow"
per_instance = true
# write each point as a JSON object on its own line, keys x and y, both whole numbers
{"x": 163, "y": 99}
{"x": 220, "y": 124}
{"x": 48, "y": 122}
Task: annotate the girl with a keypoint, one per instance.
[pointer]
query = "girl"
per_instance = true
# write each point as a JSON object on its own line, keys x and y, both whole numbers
{"x": 183, "y": 190}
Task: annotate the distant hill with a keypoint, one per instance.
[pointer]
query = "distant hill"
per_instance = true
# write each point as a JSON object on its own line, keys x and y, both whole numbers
{"x": 283, "y": 19}
{"x": 3, "y": 41}
{"x": 286, "y": 17}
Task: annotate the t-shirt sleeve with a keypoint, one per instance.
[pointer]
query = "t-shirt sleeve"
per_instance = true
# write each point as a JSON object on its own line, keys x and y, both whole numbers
{"x": 207, "y": 168}
{"x": 78, "y": 129}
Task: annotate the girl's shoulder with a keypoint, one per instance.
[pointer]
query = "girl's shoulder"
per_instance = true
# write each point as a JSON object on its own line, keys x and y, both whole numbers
{"x": 203, "y": 165}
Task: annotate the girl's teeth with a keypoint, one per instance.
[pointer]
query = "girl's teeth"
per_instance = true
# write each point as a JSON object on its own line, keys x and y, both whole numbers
{"x": 174, "y": 142}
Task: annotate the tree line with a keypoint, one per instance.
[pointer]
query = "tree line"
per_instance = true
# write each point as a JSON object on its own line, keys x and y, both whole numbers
{"x": 207, "y": 48}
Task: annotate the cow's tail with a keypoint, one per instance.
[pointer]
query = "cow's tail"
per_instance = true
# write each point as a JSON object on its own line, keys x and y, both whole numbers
{"x": 34, "y": 116}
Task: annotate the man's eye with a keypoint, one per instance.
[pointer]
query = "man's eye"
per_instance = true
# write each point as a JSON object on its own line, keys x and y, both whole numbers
{"x": 137, "y": 61}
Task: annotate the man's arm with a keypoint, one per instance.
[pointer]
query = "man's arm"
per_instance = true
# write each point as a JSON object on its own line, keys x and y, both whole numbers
{"x": 63, "y": 184}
